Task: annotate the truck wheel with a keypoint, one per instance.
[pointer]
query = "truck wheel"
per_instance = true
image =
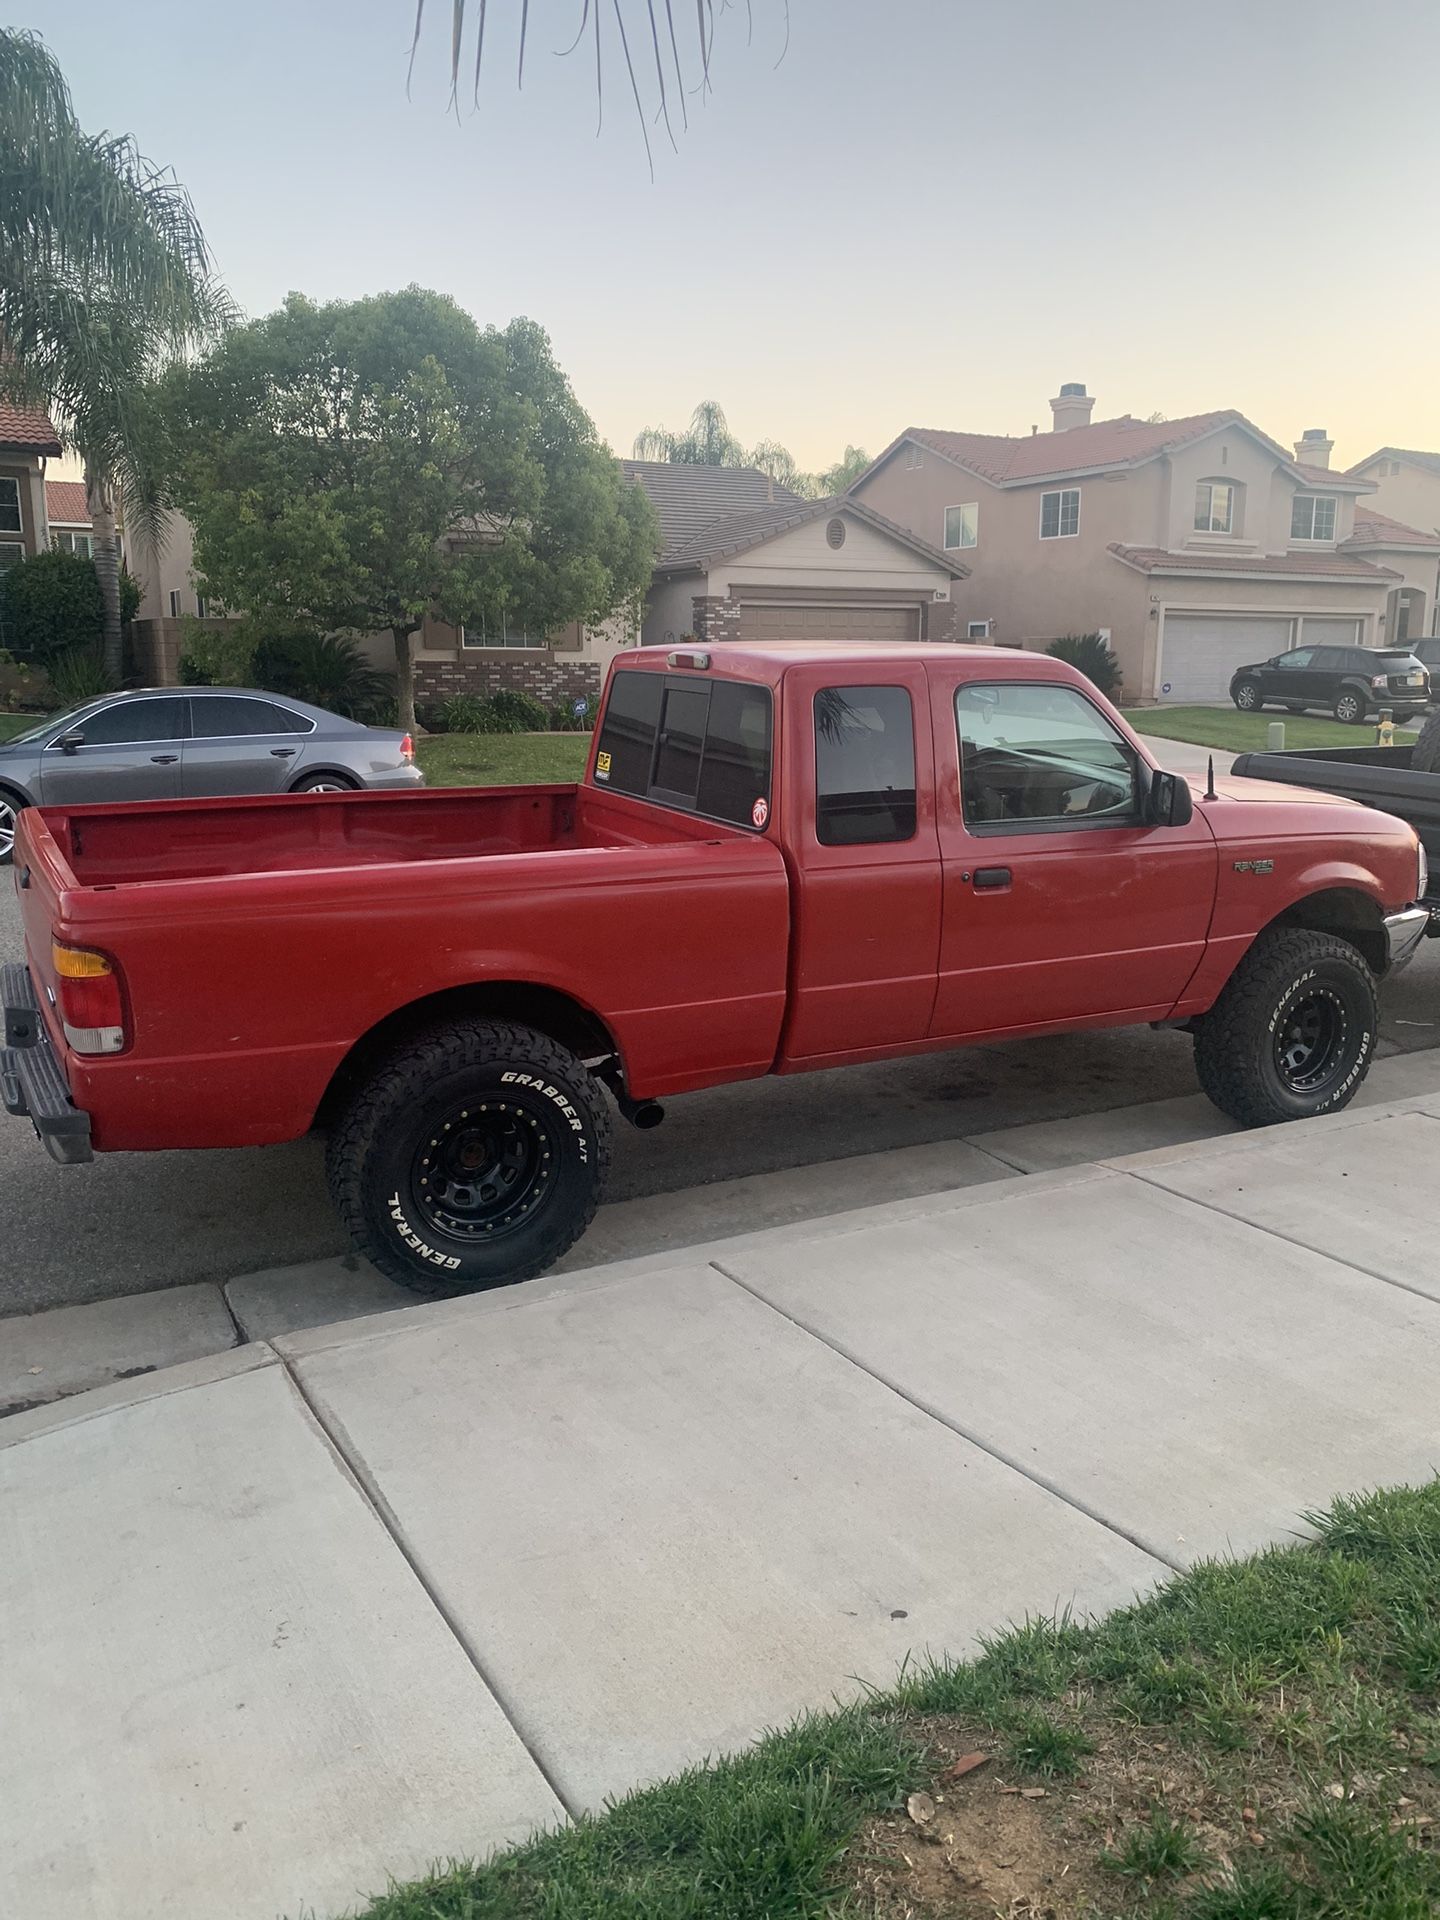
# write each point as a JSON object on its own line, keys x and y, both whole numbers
{"x": 1292, "y": 1033}
{"x": 1349, "y": 707}
{"x": 1247, "y": 697}
{"x": 472, "y": 1158}
{"x": 1425, "y": 754}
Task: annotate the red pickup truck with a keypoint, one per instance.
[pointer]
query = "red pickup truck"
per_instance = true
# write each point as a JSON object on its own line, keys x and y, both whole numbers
{"x": 779, "y": 859}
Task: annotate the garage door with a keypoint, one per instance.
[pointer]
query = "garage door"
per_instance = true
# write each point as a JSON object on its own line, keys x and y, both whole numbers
{"x": 1329, "y": 633}
{"x": 1199, "y": 652}
{"x": 828, "y": 623}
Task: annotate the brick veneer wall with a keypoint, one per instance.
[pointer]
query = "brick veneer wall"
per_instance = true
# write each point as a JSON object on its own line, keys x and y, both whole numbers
{"x": 482, "y": 670}
{"x": 716, "y": 619}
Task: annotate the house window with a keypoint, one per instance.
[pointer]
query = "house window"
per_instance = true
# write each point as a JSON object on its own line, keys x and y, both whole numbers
{"x": 1312, "y": 517}
{"x": 174, "y": 603}
{"x": 497, "y": 633}
{"x": 977, "y": 630}
{"x": 1214, "y": 507}
{"x": 962, "y": 525}
{"x": 80, "y": 543}
{"x": 1060, "y": 514}
{"x": 10, "y": 521}
{"x": 11, "y": 554}
{"x": 200, "y": 606}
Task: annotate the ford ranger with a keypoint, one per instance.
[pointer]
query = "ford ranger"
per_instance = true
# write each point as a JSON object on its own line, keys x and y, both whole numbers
{"x": 779, "y": 859}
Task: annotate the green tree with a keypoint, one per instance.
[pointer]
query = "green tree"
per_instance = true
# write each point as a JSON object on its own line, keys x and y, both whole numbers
{"x": 104, "y": 275}
{"x": 845, "y": 472}
{"x": 358, "y": 465}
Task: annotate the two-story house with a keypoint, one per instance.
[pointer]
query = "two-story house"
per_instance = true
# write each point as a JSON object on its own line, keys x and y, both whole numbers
{"x": 1196, "y": 545}
{"x": 27, "y": 441}
{"x": 1406, "y": 532}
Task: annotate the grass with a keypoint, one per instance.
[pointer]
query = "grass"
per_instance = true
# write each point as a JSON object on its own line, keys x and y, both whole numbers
{"x": 501, "y": 759}
{"x": 13, "y": 723}
{"x": 1260, "y": 1740}
{"x": 1236, "y": 732}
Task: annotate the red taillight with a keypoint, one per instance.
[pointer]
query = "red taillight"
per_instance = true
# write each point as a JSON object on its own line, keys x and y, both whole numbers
{"x": 407, "y": 749}
{"x": 87, "y": 993}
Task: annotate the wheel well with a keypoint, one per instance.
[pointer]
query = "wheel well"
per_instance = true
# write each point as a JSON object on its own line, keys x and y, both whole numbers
{"x": 339, "y": 774}
{"x": 1348, "y": 915}
{"x": 544, "y": 1008}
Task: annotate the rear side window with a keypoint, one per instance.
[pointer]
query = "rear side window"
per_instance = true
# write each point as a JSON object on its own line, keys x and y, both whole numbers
{"x": 704, "y": 745}
{"x": 864, "y": 766}
{"x": 223, "y": 716}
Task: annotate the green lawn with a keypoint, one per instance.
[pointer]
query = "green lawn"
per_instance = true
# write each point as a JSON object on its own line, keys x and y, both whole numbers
{"x": 1237, "y": 732}
{"x": 1258, "y": 1741}
{"x": 13, "y": 723}
{"x": 501, "y": 759}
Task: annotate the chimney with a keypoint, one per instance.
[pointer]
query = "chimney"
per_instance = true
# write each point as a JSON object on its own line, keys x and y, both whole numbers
{"x": 1313, "y": 448}
{"x": 1072, "y": 407}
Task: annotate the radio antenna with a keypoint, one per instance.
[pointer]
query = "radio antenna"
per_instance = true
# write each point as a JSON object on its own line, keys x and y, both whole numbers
{"x": 1210, "y": 793}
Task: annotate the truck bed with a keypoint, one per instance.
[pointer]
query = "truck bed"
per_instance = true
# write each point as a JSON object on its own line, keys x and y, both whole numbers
{"x": 145, "y": 842}
{"x": 297, "y": 925}
{"x": 1378, "y": 777}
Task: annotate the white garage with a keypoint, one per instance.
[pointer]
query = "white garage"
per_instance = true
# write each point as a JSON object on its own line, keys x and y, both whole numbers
{"x": 1200, "y": 651}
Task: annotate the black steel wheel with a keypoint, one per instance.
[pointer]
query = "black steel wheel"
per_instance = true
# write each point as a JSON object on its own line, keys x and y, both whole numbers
{"x": 473, "y": 1157}
{"x": 1292, "y": 1034}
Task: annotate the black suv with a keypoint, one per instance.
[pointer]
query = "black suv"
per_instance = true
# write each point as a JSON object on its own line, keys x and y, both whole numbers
{"x": 1427, "y": 652}
{"x": 1349, "y": 682}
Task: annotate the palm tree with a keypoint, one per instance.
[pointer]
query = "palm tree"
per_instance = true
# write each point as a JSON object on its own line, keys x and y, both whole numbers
{"x": 104, "y": 275}
{"x": 845, "y": 472}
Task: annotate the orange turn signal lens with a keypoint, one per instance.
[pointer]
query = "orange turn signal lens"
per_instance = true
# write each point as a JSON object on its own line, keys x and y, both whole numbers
{"x": 78, "y": 963}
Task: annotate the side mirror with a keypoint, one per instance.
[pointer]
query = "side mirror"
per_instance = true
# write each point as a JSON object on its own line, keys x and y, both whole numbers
{"x": 1168, "y": 803}
{"x": 68, "y": 742}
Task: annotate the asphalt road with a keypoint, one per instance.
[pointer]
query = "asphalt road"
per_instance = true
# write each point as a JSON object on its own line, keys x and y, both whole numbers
{"x": 129, "y": 1223}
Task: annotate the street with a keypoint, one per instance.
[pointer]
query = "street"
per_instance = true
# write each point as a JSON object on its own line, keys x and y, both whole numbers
{"x": 131, "y": 1223}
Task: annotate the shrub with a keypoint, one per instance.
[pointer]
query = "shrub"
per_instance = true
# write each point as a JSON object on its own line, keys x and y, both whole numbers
{"x": 465, "y": 713}
{"x": 515, "y": 712}
{"x": 216, "y": 657}
{"x": 49, "y": 605}
{"x": 326, "y": 669}
{"x": 1092, "y": 655}
{"x": 79, "y": 675}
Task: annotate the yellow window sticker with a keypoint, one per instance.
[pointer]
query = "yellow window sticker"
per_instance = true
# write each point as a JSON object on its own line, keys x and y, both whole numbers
{"x": 602, "y": 766}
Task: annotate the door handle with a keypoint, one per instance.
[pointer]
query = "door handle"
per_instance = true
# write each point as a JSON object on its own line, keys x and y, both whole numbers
{"x": 164, "y": 759}
{"x": 282, "y": 753}
{"x": 990, "y": 879}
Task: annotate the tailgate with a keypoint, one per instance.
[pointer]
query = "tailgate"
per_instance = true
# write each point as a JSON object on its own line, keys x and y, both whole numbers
{"x": 42, "y": 880}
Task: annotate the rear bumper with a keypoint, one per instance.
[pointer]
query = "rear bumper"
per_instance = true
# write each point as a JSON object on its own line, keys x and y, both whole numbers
{"x": 32, "y": 1086}
{"x": 1403, "y": 934}
{"x": 403, "y": 777}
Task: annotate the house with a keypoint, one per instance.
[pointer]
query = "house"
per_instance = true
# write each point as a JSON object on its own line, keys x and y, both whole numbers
{"x": 67, "y": 513}
{"x": 27, "y": 441}
{"x": 743, "y": 558}
{"x": 1196, "y": 544}
{"x": 1406, "y": 485}
{"x": 1413, "y": 607}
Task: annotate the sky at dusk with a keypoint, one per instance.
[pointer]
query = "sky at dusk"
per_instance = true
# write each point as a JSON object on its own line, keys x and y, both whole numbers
{"x": 929, "y": 212}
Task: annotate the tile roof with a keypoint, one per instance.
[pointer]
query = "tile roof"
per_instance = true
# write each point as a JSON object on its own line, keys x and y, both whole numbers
{"x": 27, "y": 427}
{"x": 738, "y": 532}
{"x": 1430, "y": 461}
{"x": 1333, "y": 566}
{"x": 65, "y": 503}
{"x": 687, "y": 500}
{"x": 1327, "y": 477}
{"x": 1378, "y": 530}
{"x": 1008, "y": 459}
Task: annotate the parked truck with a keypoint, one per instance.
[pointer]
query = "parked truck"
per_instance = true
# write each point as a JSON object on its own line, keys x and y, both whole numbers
{"x": 779, "y": 859}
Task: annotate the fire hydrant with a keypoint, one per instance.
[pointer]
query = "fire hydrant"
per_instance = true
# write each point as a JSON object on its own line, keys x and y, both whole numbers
{"x": 1385, "y": 732}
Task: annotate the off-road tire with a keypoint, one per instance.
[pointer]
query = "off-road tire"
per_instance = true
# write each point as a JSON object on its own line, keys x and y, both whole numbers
{"x": 1349, "y": 708}
{"x": 409, "y": 1109}
{"x": 1425, "y": 754}
{"x": 1236, "y": 1043}
{"x": 1247, "y": 697}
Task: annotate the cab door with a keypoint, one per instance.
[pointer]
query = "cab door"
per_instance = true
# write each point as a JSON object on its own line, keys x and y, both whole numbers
{"x": 1061, "y": 904}
{"x": 865, "y": 859}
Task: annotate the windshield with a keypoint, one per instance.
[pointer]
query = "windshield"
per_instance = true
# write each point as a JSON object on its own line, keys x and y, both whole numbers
{"x": 53, "y": 723}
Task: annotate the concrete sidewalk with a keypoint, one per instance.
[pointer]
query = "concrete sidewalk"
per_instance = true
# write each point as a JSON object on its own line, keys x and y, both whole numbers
{"x": 289, "y": 1621}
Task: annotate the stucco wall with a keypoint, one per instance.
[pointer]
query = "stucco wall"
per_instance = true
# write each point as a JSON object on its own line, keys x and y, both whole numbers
{"x": 1411, "y": 496}
{"x": 163, "y": 568}
{"x": 670, "y": 609}
{"x": 32, "y": 503}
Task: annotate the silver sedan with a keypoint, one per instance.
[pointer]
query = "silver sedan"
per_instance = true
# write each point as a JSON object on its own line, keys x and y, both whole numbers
{"x": 184, "y": 743}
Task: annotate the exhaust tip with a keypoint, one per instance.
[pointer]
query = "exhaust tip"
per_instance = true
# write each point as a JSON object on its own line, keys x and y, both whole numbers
{"x": 644, "y": 1114}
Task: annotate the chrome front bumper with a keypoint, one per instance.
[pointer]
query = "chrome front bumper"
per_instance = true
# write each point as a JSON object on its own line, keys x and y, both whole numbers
{"x": 1403, "y": 934}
